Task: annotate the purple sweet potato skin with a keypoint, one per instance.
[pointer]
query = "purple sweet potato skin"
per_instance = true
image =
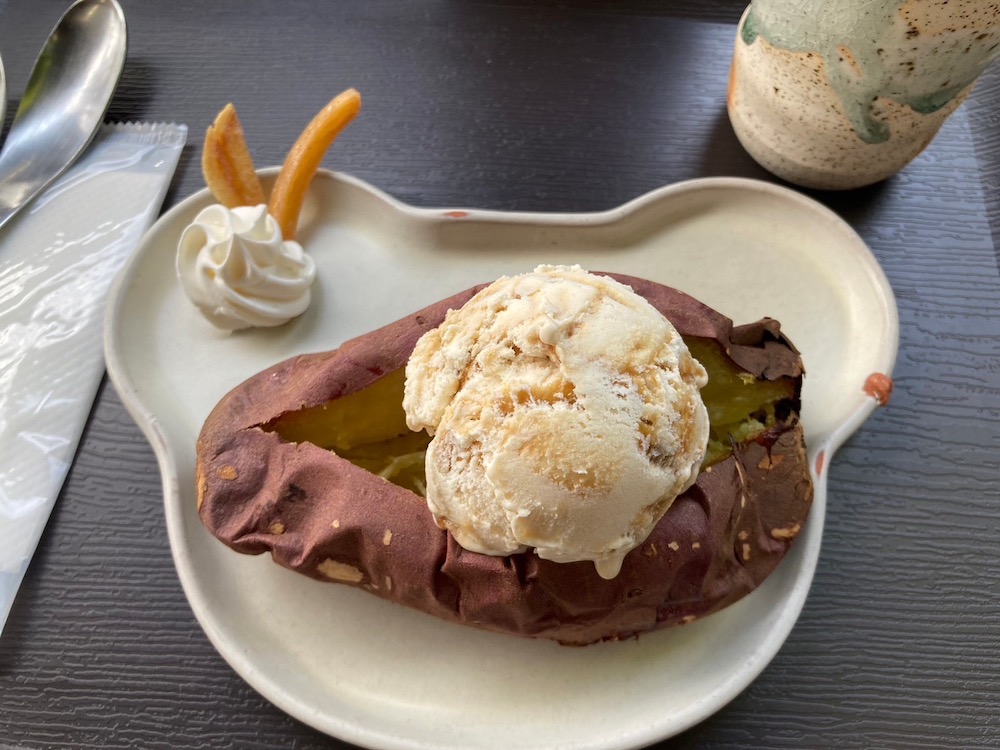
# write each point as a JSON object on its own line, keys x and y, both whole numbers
{"x": 320, "y": 515}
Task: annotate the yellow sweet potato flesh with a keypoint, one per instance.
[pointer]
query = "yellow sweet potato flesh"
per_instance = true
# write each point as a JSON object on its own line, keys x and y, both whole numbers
{"x": 740, "y": 407}
{"x": 368, "y": 427}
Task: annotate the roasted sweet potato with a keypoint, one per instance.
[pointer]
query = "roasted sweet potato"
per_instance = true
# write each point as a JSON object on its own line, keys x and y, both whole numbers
{"x": 290, "y": 462}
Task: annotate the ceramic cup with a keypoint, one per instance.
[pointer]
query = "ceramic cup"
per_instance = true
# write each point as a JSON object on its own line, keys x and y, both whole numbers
{"x": 837, "y": 94}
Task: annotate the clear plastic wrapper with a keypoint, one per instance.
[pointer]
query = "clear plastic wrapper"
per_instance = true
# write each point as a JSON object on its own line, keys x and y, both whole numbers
{"x": 57, "y": 262}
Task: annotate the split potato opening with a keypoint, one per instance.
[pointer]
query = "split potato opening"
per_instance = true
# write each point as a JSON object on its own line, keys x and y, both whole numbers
{"x": 368, "y": 427}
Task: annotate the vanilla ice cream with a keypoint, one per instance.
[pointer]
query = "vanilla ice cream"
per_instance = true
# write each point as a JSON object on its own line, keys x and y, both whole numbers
{"x": 566, "y": 417}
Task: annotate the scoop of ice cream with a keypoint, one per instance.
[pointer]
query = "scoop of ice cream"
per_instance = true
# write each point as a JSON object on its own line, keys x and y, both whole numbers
{"x": 566, "y": 417}
{"x": 235, "y": 266}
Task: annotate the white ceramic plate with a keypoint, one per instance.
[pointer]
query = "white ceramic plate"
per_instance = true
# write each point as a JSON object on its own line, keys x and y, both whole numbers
{"x": 383, "y": 676}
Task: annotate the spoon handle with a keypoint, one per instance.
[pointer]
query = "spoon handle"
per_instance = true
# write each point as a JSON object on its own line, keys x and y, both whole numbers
{"x": 23, "y": 175}
{"x": 8, "y": 212}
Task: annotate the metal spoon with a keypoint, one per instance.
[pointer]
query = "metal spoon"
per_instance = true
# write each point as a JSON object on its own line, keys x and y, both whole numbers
{"x": 68, "y": 93}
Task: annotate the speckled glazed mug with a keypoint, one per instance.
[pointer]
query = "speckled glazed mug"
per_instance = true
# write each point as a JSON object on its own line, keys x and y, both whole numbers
{"x": 837, "y": 94}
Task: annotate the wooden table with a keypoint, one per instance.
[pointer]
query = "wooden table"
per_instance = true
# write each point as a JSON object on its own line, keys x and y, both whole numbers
{"x": 550, "y": 106}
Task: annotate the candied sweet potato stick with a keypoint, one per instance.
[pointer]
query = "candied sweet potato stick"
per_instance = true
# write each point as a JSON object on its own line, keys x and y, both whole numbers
{"x": 305, "y": 157}
{"x": 227, "y": 165}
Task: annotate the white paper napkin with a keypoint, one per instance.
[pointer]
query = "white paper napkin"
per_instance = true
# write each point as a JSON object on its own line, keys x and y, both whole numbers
{"x": 57, "y": 261}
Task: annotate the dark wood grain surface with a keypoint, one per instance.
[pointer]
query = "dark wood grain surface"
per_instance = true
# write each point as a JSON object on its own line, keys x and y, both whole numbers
{"x": 550, "y": 106}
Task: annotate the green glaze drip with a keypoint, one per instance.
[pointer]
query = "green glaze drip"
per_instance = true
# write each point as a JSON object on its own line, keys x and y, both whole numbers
{"x": 749, "y": 31}
{"x": 870, "y": 51}
{"x": 930, "y": 103}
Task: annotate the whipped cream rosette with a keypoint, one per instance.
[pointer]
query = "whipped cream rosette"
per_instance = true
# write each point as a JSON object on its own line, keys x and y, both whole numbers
{"x": 235, "y": 266}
